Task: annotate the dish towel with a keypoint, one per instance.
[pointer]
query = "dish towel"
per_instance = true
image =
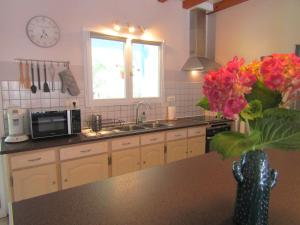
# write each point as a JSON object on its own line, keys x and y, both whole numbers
{"x": 69, "y": 83}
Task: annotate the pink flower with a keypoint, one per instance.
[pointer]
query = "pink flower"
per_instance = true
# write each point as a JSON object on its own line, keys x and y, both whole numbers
{"x": 234, "y": 106}
{"x": 225, "y": 88}
{"x": 274, "y": 81}
{"x": 235, "y": 64}
{"x": 271, "y": 65}
{"x": 247, "y": 79}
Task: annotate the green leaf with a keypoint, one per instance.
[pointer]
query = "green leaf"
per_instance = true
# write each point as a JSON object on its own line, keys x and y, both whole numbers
{"x": 282, "y": 113}
{"x": 268, "y": 98}
{"x": 280, "y": 129}
{"x": 230, "y": 144}
{"x": 203, "y": 103}
{"x": 253, "y": 111}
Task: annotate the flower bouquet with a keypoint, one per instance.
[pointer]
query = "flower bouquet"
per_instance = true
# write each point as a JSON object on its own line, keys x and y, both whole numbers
{"x": 260, "y": 94}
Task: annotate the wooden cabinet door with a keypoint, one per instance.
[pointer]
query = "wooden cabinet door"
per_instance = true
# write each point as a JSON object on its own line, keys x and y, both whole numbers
{"x": 83, "y": 171}
{"x": 35, "y": 181}
{"x": 152, "y": 155}
{"x": 176, "y": 150}
{"x": 196, "y": 146}
{"x": 125, "y": 161}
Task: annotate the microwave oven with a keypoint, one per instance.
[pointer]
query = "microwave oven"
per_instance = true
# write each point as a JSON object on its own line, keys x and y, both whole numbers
{"x": 55, "y": 123}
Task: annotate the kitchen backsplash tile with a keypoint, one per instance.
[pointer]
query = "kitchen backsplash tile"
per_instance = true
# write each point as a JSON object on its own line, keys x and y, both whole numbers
{"x": 186, "y": 96}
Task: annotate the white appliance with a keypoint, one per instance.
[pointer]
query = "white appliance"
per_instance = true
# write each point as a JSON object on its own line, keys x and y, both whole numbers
{"x": 15, "y": 118}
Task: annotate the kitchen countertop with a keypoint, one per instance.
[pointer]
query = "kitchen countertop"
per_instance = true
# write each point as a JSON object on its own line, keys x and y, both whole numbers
{"x": 80, "y": 138}
{"x": 196, "y": 191}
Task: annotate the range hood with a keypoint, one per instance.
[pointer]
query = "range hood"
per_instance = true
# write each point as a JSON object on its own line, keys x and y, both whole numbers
{"x": 198, "y": 34}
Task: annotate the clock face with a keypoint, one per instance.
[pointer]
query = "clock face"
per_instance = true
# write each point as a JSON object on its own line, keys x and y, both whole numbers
{"x": 43, "y": 31}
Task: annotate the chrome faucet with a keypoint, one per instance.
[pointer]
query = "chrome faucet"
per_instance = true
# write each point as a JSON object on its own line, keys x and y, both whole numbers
{"x": 137, "y": 107}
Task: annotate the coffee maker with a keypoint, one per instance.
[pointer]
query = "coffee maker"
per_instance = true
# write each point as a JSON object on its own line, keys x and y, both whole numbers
{"x": 15, "y": 118}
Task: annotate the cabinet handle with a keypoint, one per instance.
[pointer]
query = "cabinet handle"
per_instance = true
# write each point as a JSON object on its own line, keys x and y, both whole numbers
{"x": 144, "y": 162}
{"x": 86, "y": 151}
{"x": 66, "y": 180}
{"x": 34, "y": 160}
{"x": 54, "y": 182}
{"x": 153, "y": 139}
{"x": 126, "y": 143}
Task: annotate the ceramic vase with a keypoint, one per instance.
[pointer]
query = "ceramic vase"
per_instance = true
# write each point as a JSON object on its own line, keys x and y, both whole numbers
{"x": 255, "y": 180}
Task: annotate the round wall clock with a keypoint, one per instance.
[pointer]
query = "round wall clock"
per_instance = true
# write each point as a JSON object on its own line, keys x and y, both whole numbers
{"x": 43, "y": 31}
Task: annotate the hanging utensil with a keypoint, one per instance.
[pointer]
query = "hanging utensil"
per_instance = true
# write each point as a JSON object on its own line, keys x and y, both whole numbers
{"x": 52, "y": 74}
{"x": 39, "y": 76}
{"x": 46, "y": 86}
{"x": 21, "y": 70}
{"x": 27, "y": 77}
{"x": 33, "y": 87}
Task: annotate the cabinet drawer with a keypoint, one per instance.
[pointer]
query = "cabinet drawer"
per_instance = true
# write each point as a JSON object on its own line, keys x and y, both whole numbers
{"x": 176, "y": 134}
{"x": 77, "y": 151}
{"x": 196, "y": 131}
{"x": 33, "y": 159}
{"x": 83, "y": 171}
{"x": 128, "y": 142}
{"x": 152, "y": 138}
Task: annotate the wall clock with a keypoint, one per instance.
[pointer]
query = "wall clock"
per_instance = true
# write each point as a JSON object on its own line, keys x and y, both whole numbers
{"x": 43, "y": 31}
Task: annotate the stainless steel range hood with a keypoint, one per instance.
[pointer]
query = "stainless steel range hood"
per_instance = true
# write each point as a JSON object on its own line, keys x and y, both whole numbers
{"x": 198, "y": 34}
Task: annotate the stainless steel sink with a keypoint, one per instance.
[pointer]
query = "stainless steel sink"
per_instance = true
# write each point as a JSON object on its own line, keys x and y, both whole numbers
{"x": 154, "y": 125}
{"x": 132, "y": 127}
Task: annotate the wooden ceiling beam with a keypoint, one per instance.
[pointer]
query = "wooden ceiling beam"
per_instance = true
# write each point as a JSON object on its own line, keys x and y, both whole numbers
{"x": 187, "y": 4}
{"x": 224, "y": 4}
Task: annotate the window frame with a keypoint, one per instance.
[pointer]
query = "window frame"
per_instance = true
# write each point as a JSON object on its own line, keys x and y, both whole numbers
{"x": 87, "y": 58}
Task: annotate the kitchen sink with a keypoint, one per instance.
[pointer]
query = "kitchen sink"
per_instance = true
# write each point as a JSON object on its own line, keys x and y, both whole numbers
{"x": 154, "y": 125}
{"x": 132, "y": 127}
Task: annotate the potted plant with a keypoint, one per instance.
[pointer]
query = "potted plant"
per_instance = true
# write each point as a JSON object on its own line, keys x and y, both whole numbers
{"x": 259, "y": 94}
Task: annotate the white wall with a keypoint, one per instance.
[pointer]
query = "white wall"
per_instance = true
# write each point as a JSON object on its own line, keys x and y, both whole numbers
{"x": 166, "y": 21}
{"x": 256, "y": 28}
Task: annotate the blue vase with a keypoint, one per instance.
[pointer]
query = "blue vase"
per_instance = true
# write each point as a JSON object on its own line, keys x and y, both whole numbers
{"x": 255, "y": 181}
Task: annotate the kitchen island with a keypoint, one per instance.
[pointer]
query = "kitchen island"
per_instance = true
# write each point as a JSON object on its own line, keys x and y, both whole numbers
{"x": 197, "y": 191}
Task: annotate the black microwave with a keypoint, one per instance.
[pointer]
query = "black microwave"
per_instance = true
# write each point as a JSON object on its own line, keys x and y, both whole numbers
{"x": 55, "y": 123}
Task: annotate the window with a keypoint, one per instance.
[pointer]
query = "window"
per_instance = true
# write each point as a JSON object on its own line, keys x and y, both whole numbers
{"x": 108, "y": 69}
{"x": 122, "y": 71}
{"x": 145, "y": 70}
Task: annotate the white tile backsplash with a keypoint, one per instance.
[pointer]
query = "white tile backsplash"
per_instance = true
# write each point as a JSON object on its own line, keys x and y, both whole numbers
{"x": 186, "y": 95}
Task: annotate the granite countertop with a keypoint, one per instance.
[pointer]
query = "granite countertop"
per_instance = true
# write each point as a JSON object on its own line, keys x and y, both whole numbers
{"x": 196, "y": 191}
{"x": 75, "y": 139}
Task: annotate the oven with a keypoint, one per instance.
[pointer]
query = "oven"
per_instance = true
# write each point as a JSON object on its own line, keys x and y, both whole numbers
{"x": 55, "y": 123}
{"x": 214, "y": 129}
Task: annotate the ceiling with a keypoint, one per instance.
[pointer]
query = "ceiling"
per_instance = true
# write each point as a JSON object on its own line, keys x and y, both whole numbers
{"x": 211, "y": 6}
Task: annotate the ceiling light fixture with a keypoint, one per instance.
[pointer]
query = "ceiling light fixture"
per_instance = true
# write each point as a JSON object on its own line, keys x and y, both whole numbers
{"x": 117, "y": 27}
{"x": 129, "y": 29}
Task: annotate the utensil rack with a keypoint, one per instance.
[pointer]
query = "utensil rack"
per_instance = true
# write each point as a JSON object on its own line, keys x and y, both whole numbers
{"x": 67, "y": 63}
{"x": 108, "y": 123}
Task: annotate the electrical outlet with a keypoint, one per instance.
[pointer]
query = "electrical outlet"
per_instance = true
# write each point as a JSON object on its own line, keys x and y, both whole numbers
{"x": 171, "y": 99}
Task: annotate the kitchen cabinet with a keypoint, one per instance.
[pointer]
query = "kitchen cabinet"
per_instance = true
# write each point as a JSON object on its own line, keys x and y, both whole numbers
{"x": 196, "y": 146}
{"x": 152, "y": 155}
{"x": 83, "y": 171}
{"x": 125, "y": 161}
{"x": 28, "y": 183}
{"x": 176, "y": 150}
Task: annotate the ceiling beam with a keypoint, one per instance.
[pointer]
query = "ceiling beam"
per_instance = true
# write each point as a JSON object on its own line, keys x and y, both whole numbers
{"x": 224, "y": 4}
{"x": 187, "y": 4}
{"x": 162, "y": 1}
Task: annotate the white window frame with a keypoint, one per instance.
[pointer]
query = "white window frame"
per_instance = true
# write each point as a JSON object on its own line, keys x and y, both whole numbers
{"x": 87, "y": 35}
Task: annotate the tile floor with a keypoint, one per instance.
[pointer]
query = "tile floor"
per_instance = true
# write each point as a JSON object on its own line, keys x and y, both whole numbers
{"x": 4, "y": 221}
